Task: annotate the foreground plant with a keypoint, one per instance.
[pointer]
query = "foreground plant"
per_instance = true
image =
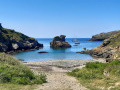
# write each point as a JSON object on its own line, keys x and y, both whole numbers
{"x": 96, "y": 75}
{"x": 12, "y": 71}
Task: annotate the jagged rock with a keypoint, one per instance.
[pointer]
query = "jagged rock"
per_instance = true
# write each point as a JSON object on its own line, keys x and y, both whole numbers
{"x": 12, "y": 41}
{"x": 59, "y": 42}
{"x": 104, "y": 54}
{"x": 103, "y": 36}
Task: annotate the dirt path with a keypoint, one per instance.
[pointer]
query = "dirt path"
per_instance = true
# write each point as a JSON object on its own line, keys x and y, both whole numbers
{"x": 60, "y": 81}
{"x": 57, "y": 79}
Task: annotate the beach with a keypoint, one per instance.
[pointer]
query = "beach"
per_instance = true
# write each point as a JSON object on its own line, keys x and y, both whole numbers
{"x": 56, "y": 70}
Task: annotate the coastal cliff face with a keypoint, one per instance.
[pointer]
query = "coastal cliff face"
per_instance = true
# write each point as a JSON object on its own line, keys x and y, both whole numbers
{"x": 103, "y": 36}
{"x": 12, "y": 41}
{"x": 59, "y": 42}
{"x": 110, "y": 48}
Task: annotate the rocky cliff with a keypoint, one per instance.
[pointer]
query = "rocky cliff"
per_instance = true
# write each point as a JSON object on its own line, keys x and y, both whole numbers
{"x": 12, "y": 41}
{"x": 103, "y": 36}
{"x": 110, "y": 48}
{"x": 59, "y": 42}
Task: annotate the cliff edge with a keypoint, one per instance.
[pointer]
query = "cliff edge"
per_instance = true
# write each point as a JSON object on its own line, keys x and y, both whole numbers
{"x": 12, "y": 41}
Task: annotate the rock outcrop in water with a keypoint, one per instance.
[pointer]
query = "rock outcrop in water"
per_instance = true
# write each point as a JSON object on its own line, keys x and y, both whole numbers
{"x": 59, "y": 42}
{"x": 103, "y": 36}
{"x": 12, "y": 41}
{"x": 42, "y": 52}
{"x": 109, "y": 49}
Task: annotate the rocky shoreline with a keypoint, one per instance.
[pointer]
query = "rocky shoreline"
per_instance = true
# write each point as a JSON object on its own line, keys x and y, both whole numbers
{"x": 18, "y": 51}
{"x": 12, "y": 42}
{"x": 98, "y": 54}
{"x": 109, "y": 49}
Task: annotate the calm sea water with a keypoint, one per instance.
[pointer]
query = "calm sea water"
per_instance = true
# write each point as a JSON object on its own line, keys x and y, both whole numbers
{"x": 59, "y": 54}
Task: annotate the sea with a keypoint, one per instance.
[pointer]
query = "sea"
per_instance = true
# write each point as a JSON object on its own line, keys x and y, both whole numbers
{"x": 59, "y": 54}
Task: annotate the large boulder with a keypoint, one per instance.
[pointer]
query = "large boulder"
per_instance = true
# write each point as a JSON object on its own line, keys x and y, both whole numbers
{"x": 59, "y": 42}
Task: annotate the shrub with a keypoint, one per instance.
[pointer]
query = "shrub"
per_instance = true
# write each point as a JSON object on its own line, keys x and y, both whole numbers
{"x": 94, "y": 70}
{"x": 96, "y": 74}
{"x": 95, "y": 65}
{"x": 12, "y": 71}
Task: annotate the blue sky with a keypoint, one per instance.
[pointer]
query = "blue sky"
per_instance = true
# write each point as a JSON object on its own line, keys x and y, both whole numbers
{"x": 48, "y": 18}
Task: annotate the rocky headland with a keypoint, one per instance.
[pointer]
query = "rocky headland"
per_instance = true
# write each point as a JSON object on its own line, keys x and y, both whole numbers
{"x": 103, "y": 36}
{"x": 12, "y": 41}
{"x": 59, "y": 42}
{"x": 109, "y": 49}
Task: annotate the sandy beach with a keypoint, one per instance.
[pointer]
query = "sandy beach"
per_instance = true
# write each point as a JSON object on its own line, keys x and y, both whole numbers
{"x": 55, "y": 70}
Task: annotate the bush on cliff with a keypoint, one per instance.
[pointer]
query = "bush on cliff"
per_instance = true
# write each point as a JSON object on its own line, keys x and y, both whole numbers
{"x": 12, "y": 71}
{"x": 97, "y": 75}
{"x": 10, "y": 34}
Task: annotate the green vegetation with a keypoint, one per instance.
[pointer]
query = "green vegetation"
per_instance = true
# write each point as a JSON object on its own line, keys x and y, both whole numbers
{"x": 9, "y": 34}
{"x": 114, "y": 41}
{"x": 97, "y": 76}
{"x": 12, "y": 71}
{"x": 16, "y": 87}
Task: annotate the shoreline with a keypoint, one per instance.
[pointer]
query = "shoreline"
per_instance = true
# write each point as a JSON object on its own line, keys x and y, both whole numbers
{"x": 19, "y": 51}
{"x": 66, "y": 65}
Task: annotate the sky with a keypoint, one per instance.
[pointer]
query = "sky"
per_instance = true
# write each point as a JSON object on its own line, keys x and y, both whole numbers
{"x": 49, "y": 18}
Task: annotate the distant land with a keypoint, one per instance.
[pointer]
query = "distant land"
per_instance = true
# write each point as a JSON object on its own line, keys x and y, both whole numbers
{"x": 103, "y": 36}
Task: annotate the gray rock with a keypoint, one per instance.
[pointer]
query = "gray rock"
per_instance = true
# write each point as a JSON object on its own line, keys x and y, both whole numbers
{"x": 15, "y": 46}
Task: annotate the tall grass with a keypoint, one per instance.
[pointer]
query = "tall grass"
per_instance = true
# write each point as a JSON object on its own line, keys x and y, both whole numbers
{"x": 96, "y": 75}
{"x": 13, "y": 71}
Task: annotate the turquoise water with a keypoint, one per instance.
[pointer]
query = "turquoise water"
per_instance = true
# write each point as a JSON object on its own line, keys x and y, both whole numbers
{"x": 59, "y": 54}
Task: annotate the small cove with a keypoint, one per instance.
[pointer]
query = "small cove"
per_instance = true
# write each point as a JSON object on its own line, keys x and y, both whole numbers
{"x": 59, "y": 54}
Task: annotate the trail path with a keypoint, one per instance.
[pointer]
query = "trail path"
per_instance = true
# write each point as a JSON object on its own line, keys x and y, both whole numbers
{"x": 57, "y": 79}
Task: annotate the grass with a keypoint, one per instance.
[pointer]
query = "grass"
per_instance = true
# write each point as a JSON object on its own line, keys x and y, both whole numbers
{"x": 114, "y": 41}
{"x": 16, "y": 87}
{"x": 14, "y": 72}
{"x": 97, "y": 76}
